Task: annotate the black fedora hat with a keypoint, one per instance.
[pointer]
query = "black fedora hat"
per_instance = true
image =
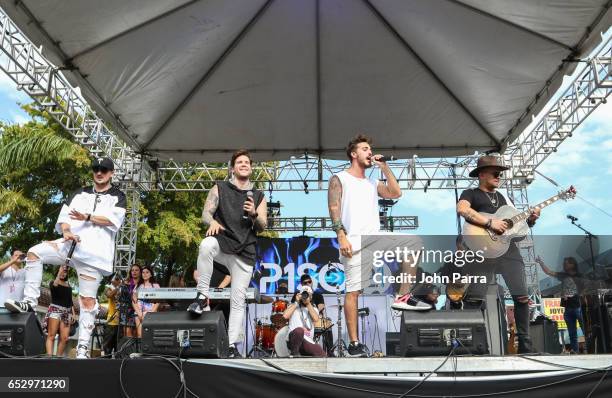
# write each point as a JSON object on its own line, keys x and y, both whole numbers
{"x": 487, "y": 161}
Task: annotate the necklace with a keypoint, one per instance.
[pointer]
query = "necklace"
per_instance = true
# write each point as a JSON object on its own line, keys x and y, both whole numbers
{"x": 493, "y": 199}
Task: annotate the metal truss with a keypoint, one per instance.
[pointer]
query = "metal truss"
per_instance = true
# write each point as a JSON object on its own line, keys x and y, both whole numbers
{"x": 304, "y": 224}
{"x": 24, "y": 63}
{"x": 126, "y": 239}
{"x": 309, "y": 173}
{"x": 591, "y": 87}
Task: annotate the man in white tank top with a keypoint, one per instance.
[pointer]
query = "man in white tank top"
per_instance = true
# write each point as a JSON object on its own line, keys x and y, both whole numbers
{"x": 353, "y": 208}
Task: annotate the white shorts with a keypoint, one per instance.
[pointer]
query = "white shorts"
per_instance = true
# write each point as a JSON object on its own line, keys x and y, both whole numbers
{"x": 358, "y": 269}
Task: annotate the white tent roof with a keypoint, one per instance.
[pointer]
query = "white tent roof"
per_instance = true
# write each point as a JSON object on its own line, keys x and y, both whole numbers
{"x": 193, "y": 80}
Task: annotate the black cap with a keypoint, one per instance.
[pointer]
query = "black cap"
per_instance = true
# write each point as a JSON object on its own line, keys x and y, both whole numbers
{"x": 103, "y": 162}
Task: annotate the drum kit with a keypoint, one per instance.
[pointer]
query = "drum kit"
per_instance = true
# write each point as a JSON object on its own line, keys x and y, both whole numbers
{"x": 267, "y": 328}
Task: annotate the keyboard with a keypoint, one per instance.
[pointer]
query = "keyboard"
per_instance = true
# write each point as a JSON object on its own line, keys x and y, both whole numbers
{"x": 189, "y": 293}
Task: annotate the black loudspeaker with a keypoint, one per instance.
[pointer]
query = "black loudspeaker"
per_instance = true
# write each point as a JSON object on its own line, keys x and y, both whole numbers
{"x": 436, "y": 332}
{"x": 180, "y": 333}
{"x": 545, "y": 336}
{"x": 21, "y": 334}
{"x": 393, "y": 344}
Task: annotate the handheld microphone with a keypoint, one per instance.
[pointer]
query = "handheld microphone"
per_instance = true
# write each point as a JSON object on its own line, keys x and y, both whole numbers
{"x": 569, "y": 216}
{"x": 387, "y": 158}
{"x": 245, "y": 216}
{"x": 70, "y": 252}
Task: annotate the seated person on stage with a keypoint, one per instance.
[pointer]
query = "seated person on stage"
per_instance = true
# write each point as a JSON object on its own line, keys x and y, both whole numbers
{"x": 319, "y": 303}
{"x": 302, "y": 316}
{"x": 234, "y": 211}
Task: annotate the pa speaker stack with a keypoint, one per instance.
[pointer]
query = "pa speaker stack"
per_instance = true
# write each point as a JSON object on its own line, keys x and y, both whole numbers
{"x": 435, "y": 333}
{"x": 182, "y": 334}
{"x": 21, "y": 334}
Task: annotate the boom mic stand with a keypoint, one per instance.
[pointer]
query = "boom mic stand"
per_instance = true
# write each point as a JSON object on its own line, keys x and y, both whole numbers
{"x": 600, "y": 332}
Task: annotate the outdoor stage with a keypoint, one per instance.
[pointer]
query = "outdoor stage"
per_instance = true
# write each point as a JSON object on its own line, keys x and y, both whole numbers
{"x": 534, "y": 376}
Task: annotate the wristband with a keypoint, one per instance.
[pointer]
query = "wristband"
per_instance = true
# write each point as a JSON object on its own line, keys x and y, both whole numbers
{"x": 88, "y": 217}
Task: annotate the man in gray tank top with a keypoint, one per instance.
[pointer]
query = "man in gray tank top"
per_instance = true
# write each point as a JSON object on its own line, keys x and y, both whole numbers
{"x": 234, "y": 212}
{"x": 353, "y": 208}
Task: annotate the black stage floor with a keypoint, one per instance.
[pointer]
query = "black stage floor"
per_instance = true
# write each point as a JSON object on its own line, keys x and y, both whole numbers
{"x": 540, "y": 376}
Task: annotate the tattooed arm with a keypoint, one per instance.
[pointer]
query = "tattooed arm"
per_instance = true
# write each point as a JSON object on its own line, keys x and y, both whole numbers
{"x": 210, "y": 207}
{"x": 464, "y": 209}
{"x": 334, "y": 203}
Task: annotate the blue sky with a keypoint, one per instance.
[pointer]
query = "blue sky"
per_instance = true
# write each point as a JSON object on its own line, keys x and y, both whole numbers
{"x": 583, "y": 160}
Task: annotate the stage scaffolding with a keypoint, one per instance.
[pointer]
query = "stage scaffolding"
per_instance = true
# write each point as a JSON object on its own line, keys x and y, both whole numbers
{"x": 136, "y": 172}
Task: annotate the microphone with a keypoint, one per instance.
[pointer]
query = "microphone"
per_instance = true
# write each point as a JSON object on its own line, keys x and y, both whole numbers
{"x": 387, "y": 158}
{"x": 245, "y": 216}
{"x": 569, "y": 216}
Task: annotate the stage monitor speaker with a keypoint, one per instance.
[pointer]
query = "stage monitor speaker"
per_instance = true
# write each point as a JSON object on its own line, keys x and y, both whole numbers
{"x": 181, "y": 333}
{"x": 393, "y": 344}
{"x": 545, "y": 336}
{"x": 21, "y": 334}
{"x": 435, "y": 333}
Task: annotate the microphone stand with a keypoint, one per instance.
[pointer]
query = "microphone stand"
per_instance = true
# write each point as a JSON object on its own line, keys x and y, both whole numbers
{"x": 590, "y": 237}
{"x": 340, "y": 345}
{"x": 599, "y": 332}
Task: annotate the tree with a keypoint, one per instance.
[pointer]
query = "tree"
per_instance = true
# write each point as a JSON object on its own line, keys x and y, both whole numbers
{"x": 39, "y": 167}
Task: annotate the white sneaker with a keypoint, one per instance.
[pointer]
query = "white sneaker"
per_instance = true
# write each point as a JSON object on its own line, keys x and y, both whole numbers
{"x": 82, "y": 352}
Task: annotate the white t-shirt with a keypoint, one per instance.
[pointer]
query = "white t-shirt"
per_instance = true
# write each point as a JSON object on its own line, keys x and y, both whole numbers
{"x": 301, "y": 319}
{"x": 97, "y": 245}
{"x": 359, "y": 206}
{"x": 12, "y": 283}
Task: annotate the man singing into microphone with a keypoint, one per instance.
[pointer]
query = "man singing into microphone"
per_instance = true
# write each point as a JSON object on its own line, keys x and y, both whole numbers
{"x": 91, "y": 217}
{"x": 353, "y": 209}
{"x": 234, "y": 212}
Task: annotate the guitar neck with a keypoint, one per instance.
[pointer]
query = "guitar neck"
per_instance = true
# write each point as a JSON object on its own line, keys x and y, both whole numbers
{"x": 525, "y": 214}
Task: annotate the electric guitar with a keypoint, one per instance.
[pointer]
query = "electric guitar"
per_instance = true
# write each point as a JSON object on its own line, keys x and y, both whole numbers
{"x": 494, "y": 245}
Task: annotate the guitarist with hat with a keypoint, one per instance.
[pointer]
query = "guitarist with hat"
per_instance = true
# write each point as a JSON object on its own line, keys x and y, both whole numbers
{"x": 487, "y": 199}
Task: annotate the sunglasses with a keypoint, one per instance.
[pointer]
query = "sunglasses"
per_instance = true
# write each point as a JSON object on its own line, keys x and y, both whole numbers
{"x": 100, "y": 169}
{"x": 497, "y": 174}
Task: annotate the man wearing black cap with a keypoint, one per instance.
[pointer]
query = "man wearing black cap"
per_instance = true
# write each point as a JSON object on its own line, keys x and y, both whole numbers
{"x": 487, "y": 199}
{"x": 90, "y": 217}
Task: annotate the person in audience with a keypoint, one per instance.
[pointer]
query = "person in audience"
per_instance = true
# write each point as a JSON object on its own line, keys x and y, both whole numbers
{"x": 12, "y": 278}
{"x": 571, "y": 287}
{"x": 142, "y": 307}
{"x": 60, "y": 314}
{"x": 127, "y": 315}
{"x": 111, "y": 331}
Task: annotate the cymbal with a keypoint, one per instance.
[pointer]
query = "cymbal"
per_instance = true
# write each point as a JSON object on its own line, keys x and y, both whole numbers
{"x": 265, "y": 299}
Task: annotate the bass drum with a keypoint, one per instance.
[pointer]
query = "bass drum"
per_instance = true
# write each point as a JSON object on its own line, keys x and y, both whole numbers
{"x": 265, "y": 334}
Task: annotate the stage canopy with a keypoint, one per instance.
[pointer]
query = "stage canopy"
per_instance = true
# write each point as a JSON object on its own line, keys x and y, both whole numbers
{"x": 192, "y": 80}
